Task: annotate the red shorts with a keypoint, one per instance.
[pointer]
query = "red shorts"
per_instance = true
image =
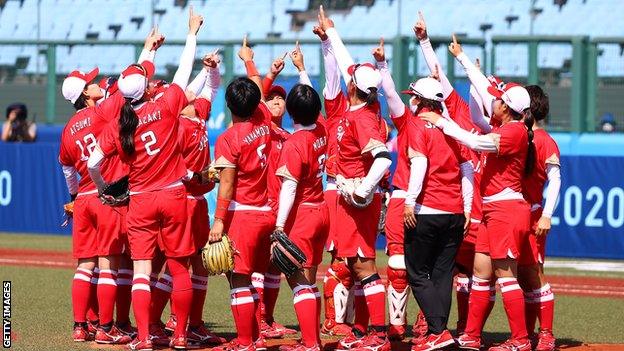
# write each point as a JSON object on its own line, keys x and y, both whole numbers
{"x": 197, "y": 221}
{"x": 98, "y": 229}
{"x": 331, "y": 199}
{"x": 308, "y": 229}
{"x": 465, "y": 255}
{"x": 357, "y": 230}
{"x": 394, "y": 226}
{"x": 507, "y": 226}
{"x": 535, "y": 251}
{"x": 159, "y": 217}
{"x": 250, "y": 233}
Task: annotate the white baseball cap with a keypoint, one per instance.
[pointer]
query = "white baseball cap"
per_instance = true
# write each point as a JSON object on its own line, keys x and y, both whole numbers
{"x": 75, "y": 83}
{"x": 133, "y": 80}
{"x": 514, "y": 95}
{"x": 428, "y": 88}
{"x": 365, "y": 76}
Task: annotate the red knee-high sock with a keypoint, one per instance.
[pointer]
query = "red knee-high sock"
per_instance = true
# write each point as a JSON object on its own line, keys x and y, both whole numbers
{"x": 329, "y": 285}
{"x": 141, "y": 296}
{"x": 478, "y": 304}
{"x": 93, "y": 311}
{"x": 243, "y": 310}
{"x": 106, "y": 294}
{"x": 124, "y": 295}
{"x": 255, "y": 332}
{"x": 375, "y": 294}
{"x": 257, "y": 283}
{"x": 200, "y": 286}
{"x": 317, "y": 294}
{"x": 81, "y": 287}
{"x": 161, "y": 292}
{"x": 513, "y": 300}
{"x": 182, "y": 293}
{"x": 305, "y": 308}
{"x": 547, "y": 307}
{"x": 271, "y": 291}
{"x": 463, "y": 294}
{"x": 361, "y": 310}
{"x": 531, "y": 310}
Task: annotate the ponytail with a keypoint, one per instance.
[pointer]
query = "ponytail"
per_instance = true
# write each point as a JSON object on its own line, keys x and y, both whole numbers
{"x": 370, "y": 98}
{"x": 128, "y": 122}
{"x": 529, "y": 120}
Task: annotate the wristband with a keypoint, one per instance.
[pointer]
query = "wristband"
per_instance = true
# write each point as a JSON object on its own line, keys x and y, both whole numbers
{"x": 222, "y": 208}
{"x": 250, "y": 66}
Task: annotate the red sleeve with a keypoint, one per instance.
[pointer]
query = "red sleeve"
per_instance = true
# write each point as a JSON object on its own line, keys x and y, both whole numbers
{"x": 369, "y": 133}
{"x": 551, "y": 152}
{"x": 513, "y": 138}
{"x": 111, "y": 107}
{"x": 65, "y": 158}
{"x": 321, "y": 121}
{"x": 267, "y": 83}
{"x": 263, "y": 112}
{"x": 227, "y": 151}
{"x": 459, "y": 111}
{"x": 173, "y": 100}
{"x": 202, "y": 108}
{"x": 109, "y": 140}
{"x": 336, "y": 108}
{"x": 399, "y": 121}
{"x": 290, "y": 165}
{"x": 417, "y": 139}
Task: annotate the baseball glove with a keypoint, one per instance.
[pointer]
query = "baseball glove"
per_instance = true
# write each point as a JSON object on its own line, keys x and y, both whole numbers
{"x": 116, "y": 193}
{"x": 68, "y": 210}
{"x": 285, "y": 255}
{"x": 218, "y": 257}
{"x": 346, "y": 188}
{"x": 209, "y": 174}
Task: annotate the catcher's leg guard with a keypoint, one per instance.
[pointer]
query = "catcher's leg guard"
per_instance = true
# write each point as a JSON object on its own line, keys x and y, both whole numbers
{"x": 398, "y": 294}
{"x": 337, "y": 283}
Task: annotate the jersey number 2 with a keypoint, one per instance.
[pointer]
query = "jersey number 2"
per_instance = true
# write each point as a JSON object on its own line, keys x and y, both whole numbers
{"x": 149, "y": 138}
{"x": 90, "y": 142}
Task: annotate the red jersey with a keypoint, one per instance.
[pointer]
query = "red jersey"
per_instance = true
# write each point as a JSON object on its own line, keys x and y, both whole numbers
{"x": 278, "y": 137}
{"x": 246, "y": 146}
{"x": 302, "y": 160}
{"x": 441, "y": 188}
{"x": 505, "y": 169}
{"x": 359, "y": 131}
{"x": 194, "y": 145}
{"x": 157, "y": 160}
{"x": 79, "y": 139}
{"x": 334, "y": 109}
{"x": 546, "y": 152}
{"x": 400, "y": 180}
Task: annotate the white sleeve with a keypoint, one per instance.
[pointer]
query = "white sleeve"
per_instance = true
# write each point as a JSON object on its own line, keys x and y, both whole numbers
{"x": 418, "y": 169}
{"x": 183, "y": 73}
{"x": 286, "y": 200}
{"x": 375, "y": 173}
{"x": 467, "y": 183}
{"x": 476, "y": 112}
{"x": 552, "y": 189}
{"x": 343, "y": 57}
{"x": 212, "y": 84}
{"x": 71, "y": 179}
{"x": 432, "y": 61}
{"x": 332, "y": 74}
{"x": 93, "y": 165}
{"x": 197, "y": 84}
{"x": 479, "y": 80}
{"x": 483, "y": 143}
{"x": 147, "y": 55}
{"x": 395, "y": 104}
{"x": 304, "y": 78}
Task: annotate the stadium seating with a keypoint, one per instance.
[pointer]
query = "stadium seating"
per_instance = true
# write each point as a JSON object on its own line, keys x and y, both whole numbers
{"x": 230, "y": 20}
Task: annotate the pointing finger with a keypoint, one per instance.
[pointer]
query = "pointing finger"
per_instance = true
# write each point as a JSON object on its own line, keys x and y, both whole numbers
{"x": 297, "y": 48}
{"x": 245, "y": 41}
{"x": 191, "y": 10}
{"x": 454, "y": 39}
{"x": 420, "y": 16}
{"x": 381, "y": 42}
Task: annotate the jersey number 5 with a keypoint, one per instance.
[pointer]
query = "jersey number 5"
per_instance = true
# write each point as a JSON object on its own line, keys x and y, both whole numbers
{"x": 262, "y": 155}
{"x": 149, "y": 138}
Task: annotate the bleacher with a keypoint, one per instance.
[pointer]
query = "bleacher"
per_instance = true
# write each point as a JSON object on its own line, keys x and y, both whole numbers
{"x": 232, "y": 19}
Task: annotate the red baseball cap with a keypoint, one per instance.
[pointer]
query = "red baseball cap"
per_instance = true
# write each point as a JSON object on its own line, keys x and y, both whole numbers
{"x": 133, "y": 80}
{"x": 277, "y": 90}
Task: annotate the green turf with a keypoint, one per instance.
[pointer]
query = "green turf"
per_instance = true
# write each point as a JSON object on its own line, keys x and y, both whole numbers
{"x": 36, "y": 242}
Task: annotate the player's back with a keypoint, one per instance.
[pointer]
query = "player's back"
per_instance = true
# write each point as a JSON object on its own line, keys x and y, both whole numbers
{"x": 546, "y": 152}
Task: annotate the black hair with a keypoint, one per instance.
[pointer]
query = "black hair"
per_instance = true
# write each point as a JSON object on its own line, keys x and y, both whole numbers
{"x": 303, "y": 104}
{"x": 529, "y": 120}
{"x": 540, "y": 105}
{"x": 242, "y": 97}
{"x": 81, "y": 102}
{"x": 22, "y": 111}
{"x": 128, "y": 122}
{"x": 429, "y": 104}
{"x": 370, "y": 98}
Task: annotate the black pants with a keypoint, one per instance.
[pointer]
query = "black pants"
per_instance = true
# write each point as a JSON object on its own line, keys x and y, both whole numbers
{"x": 430, "y": 251}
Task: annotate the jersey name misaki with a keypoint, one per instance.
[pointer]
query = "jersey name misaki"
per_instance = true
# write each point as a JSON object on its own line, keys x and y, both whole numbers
{"x": 319, "y": 143}
{"x": 256, "y": 133}
{"x": 82, "y": 124}
{"x": 149, "y": 118}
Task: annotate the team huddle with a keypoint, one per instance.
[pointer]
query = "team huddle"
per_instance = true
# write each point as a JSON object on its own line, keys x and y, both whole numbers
{"x": 474, "y": 187}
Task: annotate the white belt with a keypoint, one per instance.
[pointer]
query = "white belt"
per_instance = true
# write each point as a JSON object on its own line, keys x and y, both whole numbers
{"x": 535, "y": 207}
{"x": 193, "y": 197}
{"x": 235, "y": 206}
{"x": 398, "y": 194}
{"x": 503, "y": 195}
{"x": 422, "y": 210}
{"x": 172, "y": 185}
{"x": 312, "y": 203}
{"x": 472, "y": 220}
{"x": 90, "y": 192}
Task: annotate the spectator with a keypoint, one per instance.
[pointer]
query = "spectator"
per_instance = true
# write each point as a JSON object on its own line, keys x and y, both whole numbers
{"x": 607, "y": 123}
{"x": 16, "y": 127}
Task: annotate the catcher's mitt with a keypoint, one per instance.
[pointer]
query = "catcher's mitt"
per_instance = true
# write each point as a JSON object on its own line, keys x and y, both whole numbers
{"x": 285, "y": 255}
{"x": 209, "y": 174}
{"x": 68, "y": 210}
{"x": 218, "y": 257}
{"x": 116, "y": 193}
{"x": 346, "y": 187}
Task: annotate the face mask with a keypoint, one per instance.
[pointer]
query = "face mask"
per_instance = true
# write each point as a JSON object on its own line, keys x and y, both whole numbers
{"x": 413, "y": 107}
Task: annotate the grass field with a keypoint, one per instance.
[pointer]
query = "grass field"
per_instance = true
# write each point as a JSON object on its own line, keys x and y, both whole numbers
{"x": 42, "y": 318}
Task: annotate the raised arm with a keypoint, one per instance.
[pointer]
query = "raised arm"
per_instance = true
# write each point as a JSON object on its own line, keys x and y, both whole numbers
{"x": 153, "y": 41}
{"x": 185, "y": 67}
{"x": 420, "y": 29}
{"x": 332, "y": 74}
{"x": 246, "y": 54}
{"x": 395, "y": 104}
{"x": 297, "y": 59}
{"x": 276, "y": 68}
{"x": 476, "y": 112}
{"x": 343, "y": 58}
